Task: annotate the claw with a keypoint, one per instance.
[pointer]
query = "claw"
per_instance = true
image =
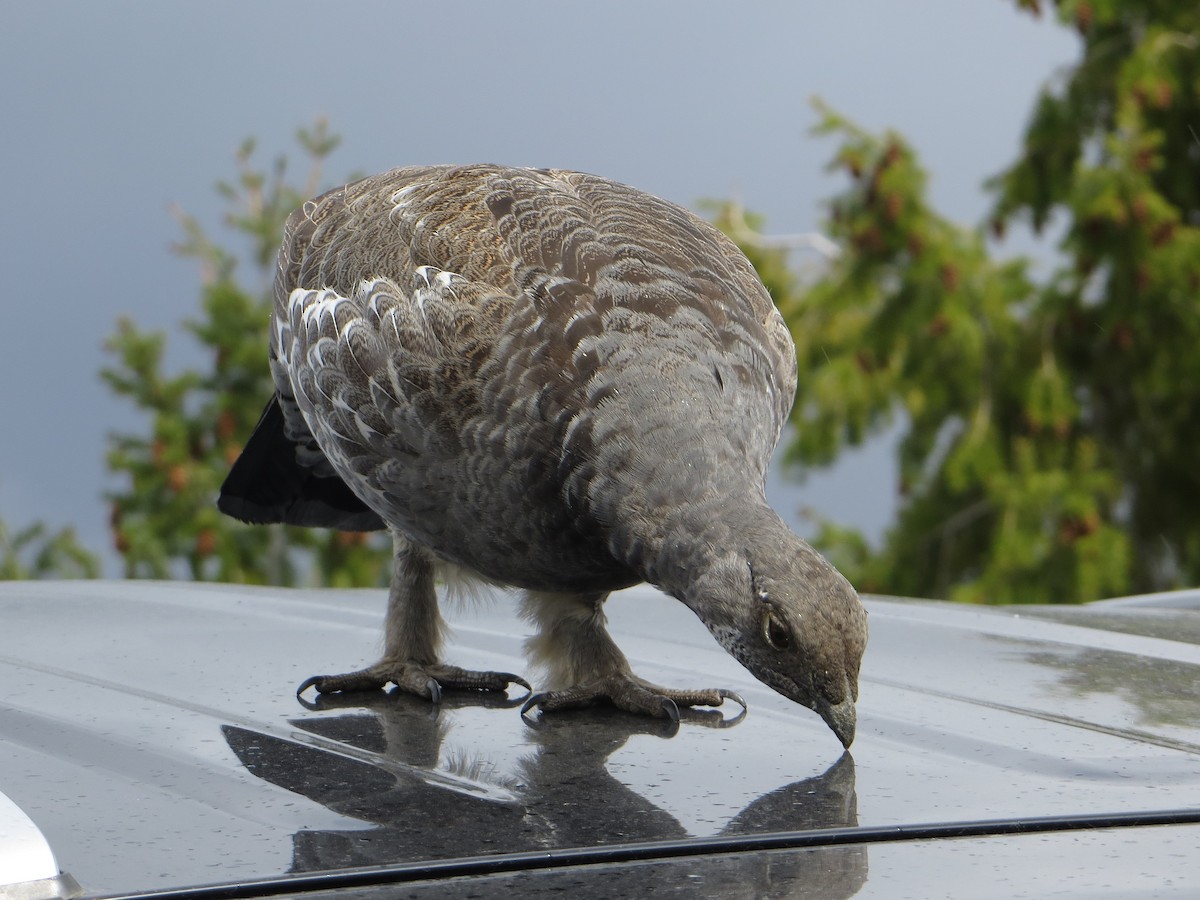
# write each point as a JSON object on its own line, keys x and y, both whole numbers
{"x": 517, "y": 679}
{"x": 533, "y": 701}
{"x": 435, "y": 690}
{"x": 670, "y": 709}
{"x": 734, "y": 696}
{"x": 309, "y": 682}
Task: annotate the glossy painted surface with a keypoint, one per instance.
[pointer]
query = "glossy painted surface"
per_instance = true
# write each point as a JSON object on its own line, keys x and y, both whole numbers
{"x": 152, "y": 733}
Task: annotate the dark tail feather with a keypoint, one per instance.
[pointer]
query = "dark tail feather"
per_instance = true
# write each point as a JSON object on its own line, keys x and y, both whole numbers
{"x": 267, "y": 484}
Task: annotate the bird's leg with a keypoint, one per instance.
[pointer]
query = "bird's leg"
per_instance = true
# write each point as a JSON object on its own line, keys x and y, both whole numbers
{"x": 585, "y": 666}
{"x": 413, "y": 632}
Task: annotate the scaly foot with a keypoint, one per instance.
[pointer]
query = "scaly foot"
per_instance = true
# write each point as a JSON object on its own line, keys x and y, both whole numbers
{"x": 423, "y": 680}
{"x": 630, "y": 693}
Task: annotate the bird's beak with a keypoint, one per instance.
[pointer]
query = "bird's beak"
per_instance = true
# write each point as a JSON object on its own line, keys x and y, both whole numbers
{"x": 841, "y": 718}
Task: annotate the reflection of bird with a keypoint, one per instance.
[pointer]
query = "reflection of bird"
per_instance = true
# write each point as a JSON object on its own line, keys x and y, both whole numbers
{"x": 554, "y": 382}
{"x": 395, "y": 767}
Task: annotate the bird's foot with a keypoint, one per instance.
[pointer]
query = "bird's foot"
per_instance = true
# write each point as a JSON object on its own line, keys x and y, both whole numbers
{"x": 426, "y": 680}
{"x": 632, "y": 694}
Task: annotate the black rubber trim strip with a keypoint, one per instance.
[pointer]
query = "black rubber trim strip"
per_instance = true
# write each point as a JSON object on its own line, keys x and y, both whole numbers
{"x": 609, "y": 854}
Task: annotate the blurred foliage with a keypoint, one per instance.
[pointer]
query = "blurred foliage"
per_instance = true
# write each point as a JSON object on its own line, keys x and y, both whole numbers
{"x": 165, "y": 521}
{"x": 35, "y": 552}
{"x": 1050, "y": 429}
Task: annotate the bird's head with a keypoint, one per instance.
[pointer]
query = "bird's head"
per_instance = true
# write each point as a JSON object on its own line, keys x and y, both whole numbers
{"x": 789, "y": 617}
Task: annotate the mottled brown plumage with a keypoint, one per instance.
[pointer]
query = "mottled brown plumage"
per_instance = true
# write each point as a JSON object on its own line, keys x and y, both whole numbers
{"x": 557, "y": 383}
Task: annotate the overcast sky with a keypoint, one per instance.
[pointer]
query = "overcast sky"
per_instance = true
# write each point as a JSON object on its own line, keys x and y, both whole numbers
{"x": 114, "y": 111}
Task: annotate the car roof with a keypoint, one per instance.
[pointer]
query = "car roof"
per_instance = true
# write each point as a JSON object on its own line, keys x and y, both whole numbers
{"x": 152, "y": 733}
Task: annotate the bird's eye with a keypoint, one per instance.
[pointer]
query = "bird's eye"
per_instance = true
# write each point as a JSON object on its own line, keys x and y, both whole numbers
{"x": 776, "y": 632}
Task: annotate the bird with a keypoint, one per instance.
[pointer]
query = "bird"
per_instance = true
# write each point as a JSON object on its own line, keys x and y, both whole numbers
{"x": 552, "y": 382}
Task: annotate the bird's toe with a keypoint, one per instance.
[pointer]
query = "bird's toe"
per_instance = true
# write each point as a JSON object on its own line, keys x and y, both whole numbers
{"x": 421, "y": 680}
{"x": 362, "y": 680}
{"x": 629, "y": 693}
{"x": 470, "y": 680}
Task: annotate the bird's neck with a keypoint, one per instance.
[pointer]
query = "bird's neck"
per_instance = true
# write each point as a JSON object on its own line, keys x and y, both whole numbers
{"x": 675, "y": 551}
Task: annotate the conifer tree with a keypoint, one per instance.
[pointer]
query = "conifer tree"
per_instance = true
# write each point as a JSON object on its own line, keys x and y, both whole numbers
{"x": 164, "y": 521}
{"x": 37, "y": 552}
{"x": 1050, "y": 427}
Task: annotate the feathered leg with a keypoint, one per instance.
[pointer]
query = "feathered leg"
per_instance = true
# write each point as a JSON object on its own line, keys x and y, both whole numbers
{"x": 413, "y": 632}
{"x": 585, "y": 666}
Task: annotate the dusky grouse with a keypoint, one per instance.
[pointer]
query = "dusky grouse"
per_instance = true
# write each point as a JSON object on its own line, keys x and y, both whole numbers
{"x": 557, "y": 383}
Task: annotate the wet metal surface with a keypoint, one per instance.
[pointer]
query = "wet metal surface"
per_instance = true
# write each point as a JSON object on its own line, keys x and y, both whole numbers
{"x": 162, "y": 717}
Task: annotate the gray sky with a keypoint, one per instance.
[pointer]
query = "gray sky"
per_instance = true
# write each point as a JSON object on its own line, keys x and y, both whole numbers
{"x": 114, "y": 111}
